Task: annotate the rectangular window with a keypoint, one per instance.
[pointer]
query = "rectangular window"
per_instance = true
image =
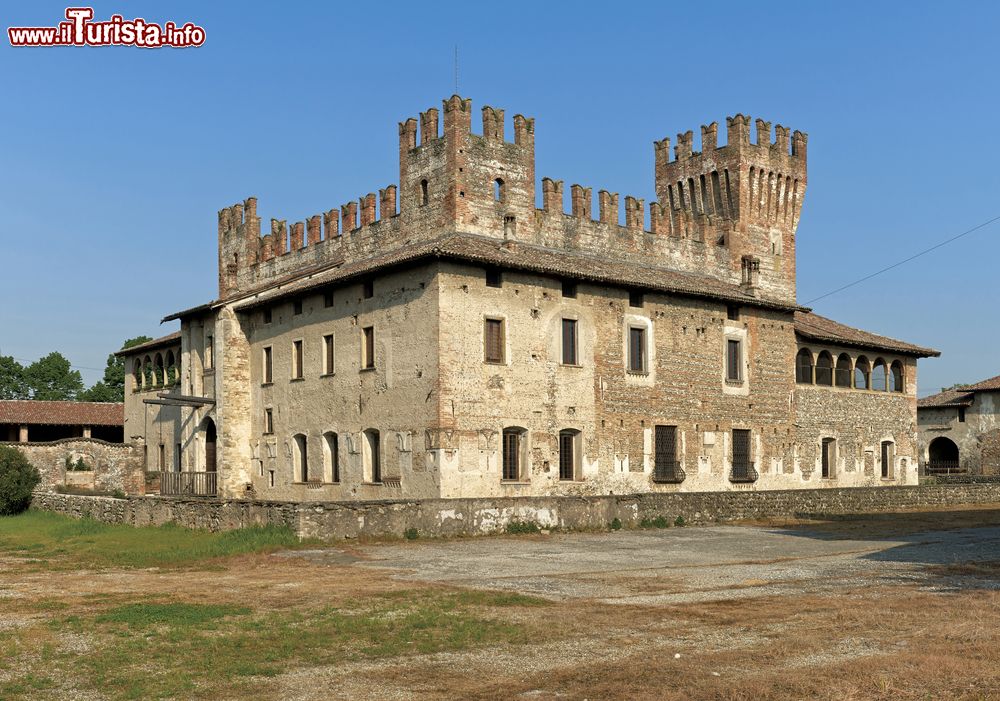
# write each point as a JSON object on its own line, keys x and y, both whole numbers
{"x": 266, "y": 315}
{"x": 742, "y": 467}
{"x": 493, "y": 341}
{"x": 567, "y": 454}
{"x": 297, "y": 307}
{"x": 569, "y": 354}
{"x": 177, "y": 457}
{"x": 209, "y": 352}
{"x": 328, "y": 356}
{"x": 297, "y": 360}
{"x": 368, "y": 359}
{"x": 162, "y": 463}
{"x": 733, "y": 312}
{"x": 828, "y": 459}
{"x": 635, "y": 299}
{"x": 636, "y": 349}
{"x": 734, "y": 361}
{"x": 888, "y": 458}
{"x": 665, "y": 466}
{"x": 961, "y": 414}
{"x": 269, "y": 420}
{"x": 494, "y": 278}
{"x": 328, "y": 298}
{"x": 368, "y": 289}
{"x": 568, "y": 288}
{"x": 512, "y": 442}
{"x": 268, "y": 366}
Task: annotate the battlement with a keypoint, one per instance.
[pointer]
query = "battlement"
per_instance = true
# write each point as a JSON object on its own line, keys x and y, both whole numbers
{"x": 713, "y": 207}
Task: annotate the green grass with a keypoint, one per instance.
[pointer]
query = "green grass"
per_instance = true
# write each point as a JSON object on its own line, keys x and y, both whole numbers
{"x": 57, "y": 541}
{"x": 183, "y": 650}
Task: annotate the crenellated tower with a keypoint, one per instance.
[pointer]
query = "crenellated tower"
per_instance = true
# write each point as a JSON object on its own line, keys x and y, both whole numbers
{"x": 459, "y": 181}
{"x": 745, "y": 196}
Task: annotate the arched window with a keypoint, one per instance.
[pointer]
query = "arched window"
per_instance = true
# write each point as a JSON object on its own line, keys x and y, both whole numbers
{"x": 171, "y": 368}
{"x": 147, "y": 372}
{"x": 300, "y": 458}
{"x": 896, "y": 376}
{"x": 943, "y": 457}
{"x": 862, "y": 373}
{"x": 824, "y": 369}
{"x": 844, "y": 370}
{"x": 879, "y": 376}
{"x": 804, "y": 367}
{"x": 372, "y": 455}
{"x": 137, "y": 372}
{"x": 498, "y": 190}
{"x": 423, "y": 192}
{"x": 515, "y": 450}
{"x": 331, "y": 456}
{"x": 569, "y": 454}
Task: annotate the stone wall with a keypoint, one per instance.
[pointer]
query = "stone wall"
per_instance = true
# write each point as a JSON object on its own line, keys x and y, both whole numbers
{"x": 116, "y": 466}
{"x": 467, "y": 517}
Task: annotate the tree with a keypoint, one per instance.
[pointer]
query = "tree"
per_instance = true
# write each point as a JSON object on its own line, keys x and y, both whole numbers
{"x": 51, "y": 378}
{"x": 112, "y": 387}
{"x": 12, "y": 382}
{"x": 17, "y": 478}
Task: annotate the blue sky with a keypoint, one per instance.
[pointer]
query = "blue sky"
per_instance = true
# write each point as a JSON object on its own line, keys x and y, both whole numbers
{"x": 116, "y": 160}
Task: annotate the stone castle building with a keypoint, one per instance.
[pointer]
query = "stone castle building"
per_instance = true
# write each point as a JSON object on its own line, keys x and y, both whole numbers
{"x": 450, "y": 339}
{"x": 959, "y": 430}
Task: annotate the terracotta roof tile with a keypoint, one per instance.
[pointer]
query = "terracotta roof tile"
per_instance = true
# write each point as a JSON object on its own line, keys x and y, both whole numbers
{"x": 985, "y": 386}
{"x": 518, "y": 256}
{"x": 819, "y": 328}
{"x": 949, "y": 397}
{"x": 167, "y": 340}
{"x": 31, "y": 412}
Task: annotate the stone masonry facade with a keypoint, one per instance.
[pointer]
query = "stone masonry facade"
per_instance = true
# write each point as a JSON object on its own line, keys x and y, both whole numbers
{"x": 446, "y": 338}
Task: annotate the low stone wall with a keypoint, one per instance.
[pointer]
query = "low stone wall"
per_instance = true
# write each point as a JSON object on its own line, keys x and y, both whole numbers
{"x": 464, "y": 517}
{"x": 116, "y": 466}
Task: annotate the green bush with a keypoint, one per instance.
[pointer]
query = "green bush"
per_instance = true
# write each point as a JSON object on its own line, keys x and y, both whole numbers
{"x": 616, "y": 524}
{"x": 17, "y": 478}
{"x": 411, "y": 534}
{"x": 661, "y": 522}
{"x": 679, "y": 521}
{"x": 645, "y": 523}
{"x": 522, "y": 527}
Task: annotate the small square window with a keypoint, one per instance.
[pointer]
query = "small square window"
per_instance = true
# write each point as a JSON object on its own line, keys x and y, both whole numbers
{"x": 297, "y": 306}
{"x": 368, "y": 289}
{"x": 267, "y": 315}
{"x": 494, "y": 277}
{"x": 569, "y": 288}
{"x": 328, "y": 298}
{"x": 733, "y": 312}
{"x": 635, "y": 299}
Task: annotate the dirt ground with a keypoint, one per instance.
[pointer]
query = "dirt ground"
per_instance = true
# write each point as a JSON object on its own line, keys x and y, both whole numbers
{"x": 904, "y": 606}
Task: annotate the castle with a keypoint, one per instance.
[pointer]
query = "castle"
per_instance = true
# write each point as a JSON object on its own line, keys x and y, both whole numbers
{"x": 450, "y": 339}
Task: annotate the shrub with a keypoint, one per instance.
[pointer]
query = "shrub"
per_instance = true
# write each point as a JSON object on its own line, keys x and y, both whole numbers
{"x": 411, "y": 534}
{"x": 17, "y": 478}
{"x": 117, "y": 494}
{"x": 679, "y": 521}
{"x": 645, "y": 523}
{"x": 661, "y": 522}
{"x": 616, "y": 524}
{"x": 522, "y": 527}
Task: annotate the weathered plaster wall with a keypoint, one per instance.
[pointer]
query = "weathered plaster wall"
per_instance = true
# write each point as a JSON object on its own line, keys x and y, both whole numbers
{"x": 977, "y": 437}
{"x": 115, "y": 466}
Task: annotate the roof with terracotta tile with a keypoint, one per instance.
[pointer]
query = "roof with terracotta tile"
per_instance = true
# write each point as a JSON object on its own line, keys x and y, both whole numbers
{"x": 31, "y": 412}
{"x": 169, "y": 339}
{"x": 985, "y": 386}
{"x": 515, "y": 256}
{"x": 946, "y": 398}
{"x": 819, "y": 328}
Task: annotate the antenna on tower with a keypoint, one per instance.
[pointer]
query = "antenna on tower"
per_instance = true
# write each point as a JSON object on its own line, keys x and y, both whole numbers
{"x": 456, "y": 69}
